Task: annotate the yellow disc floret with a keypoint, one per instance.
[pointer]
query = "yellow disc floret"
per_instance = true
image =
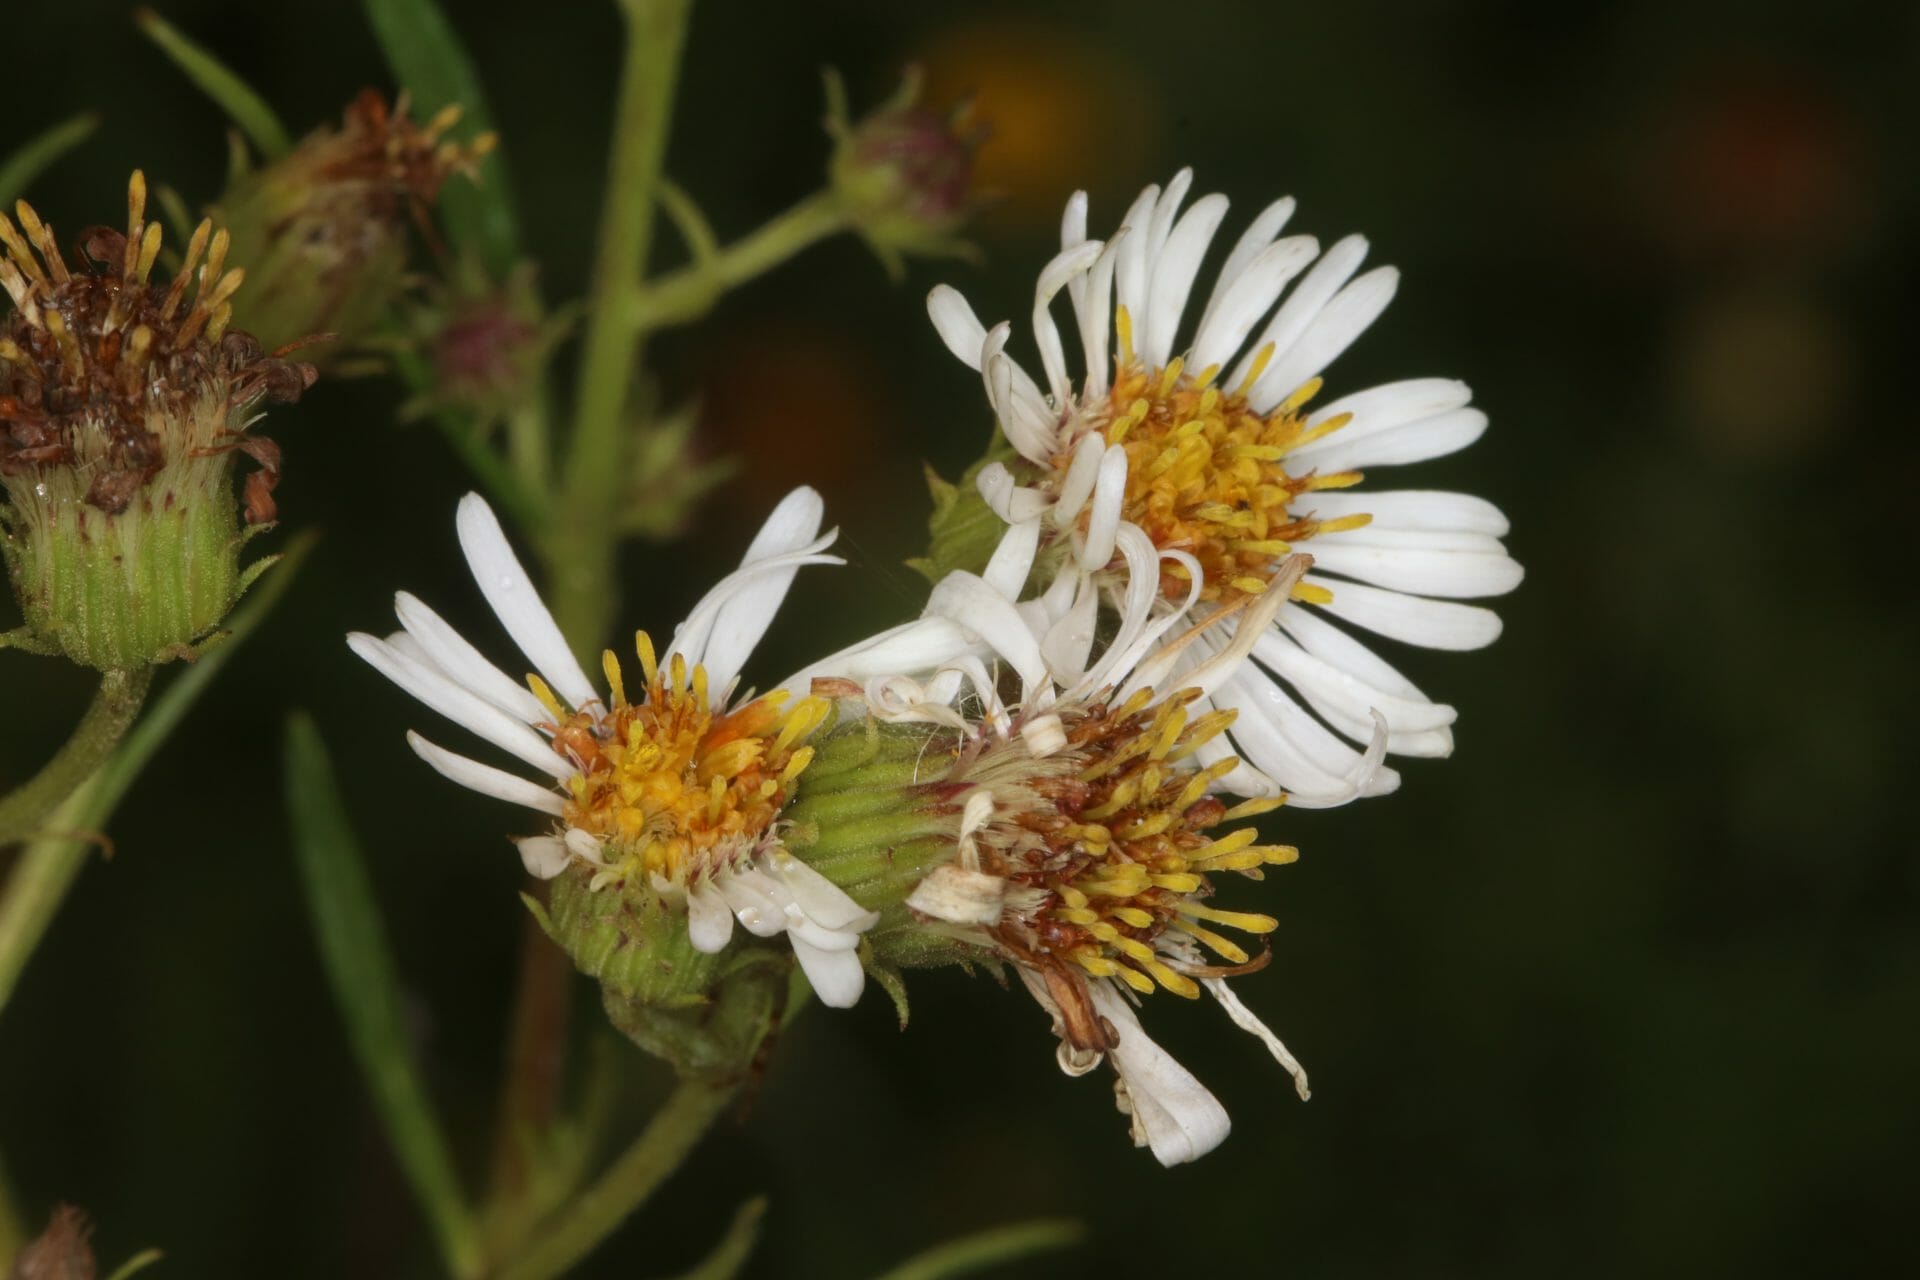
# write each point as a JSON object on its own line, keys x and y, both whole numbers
{"x": 1206, "y": 471}
{"x": 671, "y": 786}
{"x": 1120, "y": 848}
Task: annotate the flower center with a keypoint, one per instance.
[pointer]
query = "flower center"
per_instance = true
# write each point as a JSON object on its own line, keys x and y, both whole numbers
{"x": 1120, "y": 849}
{"x": 670, "y": 786}
{"x": 113, "y": 376}
{"x": 1206, "y": 472}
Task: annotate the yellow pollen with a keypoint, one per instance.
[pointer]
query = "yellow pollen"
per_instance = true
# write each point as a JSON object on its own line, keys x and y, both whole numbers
{"x": 1207, "y": 472}
{"x": 1126, "y": 852}
{"x": 673, "y": 786}
{"x": 546, "y": 697}
{"x": 611, "y": 666}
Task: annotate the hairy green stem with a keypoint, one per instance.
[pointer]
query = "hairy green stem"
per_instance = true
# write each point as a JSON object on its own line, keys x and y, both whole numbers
{"x": 115, "y": 704}
{"x": 580, "y": 551}
{"x": 593, "y": 1214}
{"x": 692, "y": 291}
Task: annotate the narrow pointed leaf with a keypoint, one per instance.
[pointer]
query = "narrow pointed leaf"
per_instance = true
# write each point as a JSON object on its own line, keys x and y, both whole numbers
{"x": 989, "y": 1248}
{"x": 435, "y": 69}
{"x": 246, "y": 108}
{"x": 353, "y": 948}
{"x": 19, "y": 170}
{"x": 735, "y": 1247}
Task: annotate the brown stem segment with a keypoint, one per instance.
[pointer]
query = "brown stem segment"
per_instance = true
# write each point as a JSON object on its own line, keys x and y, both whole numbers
{"x": 536, "y": 1052}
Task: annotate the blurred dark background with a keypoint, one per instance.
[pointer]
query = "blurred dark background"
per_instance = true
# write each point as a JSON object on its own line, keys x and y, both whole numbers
{"x": 1628, "y": 985}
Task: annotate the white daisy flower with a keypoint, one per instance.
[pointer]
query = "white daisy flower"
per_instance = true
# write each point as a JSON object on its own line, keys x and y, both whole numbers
{"x": 680, "y": 787}
{"x": 1217, "y": 452}
{"x": 1086, "y": 853}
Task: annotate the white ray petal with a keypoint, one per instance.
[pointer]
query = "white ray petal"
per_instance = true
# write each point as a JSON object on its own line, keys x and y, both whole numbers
{"x": 1417, "y": 727}
{"x": 1073, "y": 220}
{"x": 1095, "y": 308}
{"x": 1333, "y": 270}
{"x": 709, "y": 918}
{"x": 1364, "y": 779}
{"x": 958, "y": 327}
{"x": 1245, "y": 1019}
{"x": 1411, "y": 509}
{"x": 448, "y": 650}
{"x": 1012, "y": 558}
{"x": 744, "y": 618}
{"x": 1077, "y": 485}
{"x": 1068, "y": 265}
{"x": 1069, "y": 641}
{"x": 1010, "y": 500}
{"x": 922, "y": 645}
{"x": 465, "y": 708}
{"x": 756, "y": 900}
{"x": 544, "y": 857}
{"x": 1343, "y": 319}
{"x": 1165, "y": 210}
{"x": 1174, "y": 270}
{"x": 1239, "y": 306}
{"x": 1173, "y": 1113}
{"x": 1253, "y": 241}
{"x": 1131, "y": 265}
{"x": 1333, "y": 645}
{"x": 758, "y": 589}
{"x": 1430, "y": 568}
{"x": 1431, "y": 624}
{"x": 516, "y": 603}
{"x": 1277, "y": 737}
{"x": 824, "y": 902}
{"x": 1433, "y": 437}
{"x": 968, "y": 601}
{"x": 1109, "y": 495}
{"x": 836, "y": 976}
{"x": 1024, "y": 416}
{"x": 486, "y": 779}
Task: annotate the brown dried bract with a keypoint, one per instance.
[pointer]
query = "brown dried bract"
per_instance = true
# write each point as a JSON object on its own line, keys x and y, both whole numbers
{"x": 104, "y": 369}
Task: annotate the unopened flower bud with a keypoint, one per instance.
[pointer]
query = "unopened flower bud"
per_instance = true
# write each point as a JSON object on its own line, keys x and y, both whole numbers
{"x": 325, "y": 227}
{"x": 61, "y": 1252}
{"x": 122, "y": 404}
{"x": 484, "y": 344}
{"x": 904, "y": 174}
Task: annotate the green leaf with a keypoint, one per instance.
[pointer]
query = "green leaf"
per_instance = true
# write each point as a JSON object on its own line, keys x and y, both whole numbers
{"x": 735, "y": 1247}
{"x": 435, "y": 69}
{"x": 230, "y": 93}
{"x": 353, "y": 948}
{"x": 19, "y": 170}
{"x": 137, "y": 1263}
{"x": 989, "y": 1248}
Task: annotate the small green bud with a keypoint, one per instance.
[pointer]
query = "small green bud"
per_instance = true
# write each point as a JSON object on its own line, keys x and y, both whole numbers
{"x": 963, "y": 531}
{"x": 325, "y": 227}
{"x": 122, "y": 405}
{"x": 706, "y": 1014}
{"x": 904, "y": 174}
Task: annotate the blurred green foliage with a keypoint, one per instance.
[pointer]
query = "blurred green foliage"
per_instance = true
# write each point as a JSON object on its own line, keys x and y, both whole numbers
{"x": 1626, "y": 986}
